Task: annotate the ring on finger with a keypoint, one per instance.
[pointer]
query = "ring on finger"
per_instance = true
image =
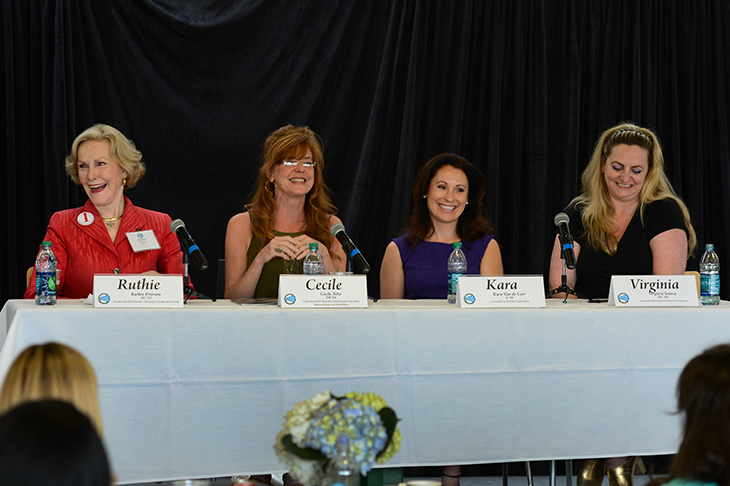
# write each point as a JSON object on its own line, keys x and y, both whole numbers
{"x": 278, "y": 249}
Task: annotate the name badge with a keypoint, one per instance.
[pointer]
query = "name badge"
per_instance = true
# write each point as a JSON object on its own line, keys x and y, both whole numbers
{"x": 653, "y": 291}
{"x": 138, "y": 290}
{"x": 323, "y": 291}
{"x": 143, "y": 240}
{"x": 477, "y": 291}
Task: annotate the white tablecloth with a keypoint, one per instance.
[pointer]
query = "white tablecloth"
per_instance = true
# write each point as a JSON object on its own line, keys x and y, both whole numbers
{"x": 202, "y": 391}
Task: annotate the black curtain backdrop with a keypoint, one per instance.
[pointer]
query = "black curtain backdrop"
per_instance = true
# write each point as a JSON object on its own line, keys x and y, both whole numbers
{"x": 522, "y": 88}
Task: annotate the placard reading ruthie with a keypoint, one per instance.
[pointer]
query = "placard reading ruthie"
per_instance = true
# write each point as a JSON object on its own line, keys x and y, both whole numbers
{"x": 323, "y": 291}
{"x": 138, "y": 290}
{"x": 501, "y": 291}
{"x": 653, "y": 291}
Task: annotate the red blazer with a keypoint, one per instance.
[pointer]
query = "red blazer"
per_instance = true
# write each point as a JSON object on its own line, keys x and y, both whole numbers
{"x": 83, "y": 250}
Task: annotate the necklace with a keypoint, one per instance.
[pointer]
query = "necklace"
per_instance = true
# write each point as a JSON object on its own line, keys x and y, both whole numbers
{"x": 110, "y": 221}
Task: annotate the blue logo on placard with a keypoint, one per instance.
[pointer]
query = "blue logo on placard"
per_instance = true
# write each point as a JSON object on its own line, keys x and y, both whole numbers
{"x": 140, "y": 235}
{"x": 290, "y": 298}
{"x": 104, "y": 298}
{"x": 469, "y": 298}
{"x": 623, "y": 298}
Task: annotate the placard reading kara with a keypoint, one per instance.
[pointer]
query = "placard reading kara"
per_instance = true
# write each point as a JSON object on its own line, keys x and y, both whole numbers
{"x": 112, "y": 290}
{"x": 501, "y": 291}
{"x": 323, "y": 291}
{"x": 653, "y": 291}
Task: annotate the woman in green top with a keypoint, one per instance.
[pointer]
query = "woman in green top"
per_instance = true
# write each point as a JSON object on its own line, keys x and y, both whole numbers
{"x": 703, "y": 396}
{"x": 289, "y": 210}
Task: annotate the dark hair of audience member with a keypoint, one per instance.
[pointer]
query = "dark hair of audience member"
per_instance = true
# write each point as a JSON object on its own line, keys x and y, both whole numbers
{"x": 703, "y": 398}
{"x": 51, "y": 443}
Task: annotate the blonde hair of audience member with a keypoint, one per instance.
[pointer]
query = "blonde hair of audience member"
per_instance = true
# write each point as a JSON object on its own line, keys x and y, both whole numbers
{"x": 594, "y": 201}
{"x": 121, "y": 149}
{"x": 52, "y": 371}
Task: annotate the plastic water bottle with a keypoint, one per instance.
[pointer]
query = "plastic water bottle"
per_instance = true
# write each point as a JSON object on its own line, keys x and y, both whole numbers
{"x": 45, "y": 276}
{"x": 456, "y": 267}
{"x": 313, "y": 264}
{"x": 710, "y": 277}
{"x": 342, "y": 470}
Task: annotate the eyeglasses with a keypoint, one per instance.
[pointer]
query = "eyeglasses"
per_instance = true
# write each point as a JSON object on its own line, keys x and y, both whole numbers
{"x": 294, "y": 163}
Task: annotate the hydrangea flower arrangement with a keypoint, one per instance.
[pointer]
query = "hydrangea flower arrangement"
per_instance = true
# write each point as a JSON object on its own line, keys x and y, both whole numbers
{"x": 307, "y": 442}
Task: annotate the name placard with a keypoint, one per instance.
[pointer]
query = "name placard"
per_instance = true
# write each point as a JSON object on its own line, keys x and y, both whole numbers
{"x": 118, "y": 290}
{"x": 653, "y": 291}
{"x": 323, "y": 291}
{"x": 476, "y": 291}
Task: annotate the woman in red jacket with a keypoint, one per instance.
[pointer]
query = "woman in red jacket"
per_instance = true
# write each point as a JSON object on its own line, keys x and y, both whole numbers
{"x": 95, "y": 238}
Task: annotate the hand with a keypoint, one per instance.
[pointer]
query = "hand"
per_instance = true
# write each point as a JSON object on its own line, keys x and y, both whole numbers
{"x": 304, "y": 240}
{"x": 286, "y": 247}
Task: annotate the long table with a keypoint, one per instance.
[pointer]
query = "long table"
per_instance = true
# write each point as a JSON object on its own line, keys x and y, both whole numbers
{"x": 202, "y": 391}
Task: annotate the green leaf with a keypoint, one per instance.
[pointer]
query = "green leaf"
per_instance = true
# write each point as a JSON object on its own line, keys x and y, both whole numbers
{"x": 390, "y": 420}
{"x": 309, "y": 454}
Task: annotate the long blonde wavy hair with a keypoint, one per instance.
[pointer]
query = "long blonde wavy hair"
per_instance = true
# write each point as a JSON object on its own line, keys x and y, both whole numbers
{"x": 290, "y": 142}
{"x": 594, "y": 202}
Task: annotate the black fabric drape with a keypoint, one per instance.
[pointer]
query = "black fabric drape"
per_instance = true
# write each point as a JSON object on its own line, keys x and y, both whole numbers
{"x": 520, "y": 88}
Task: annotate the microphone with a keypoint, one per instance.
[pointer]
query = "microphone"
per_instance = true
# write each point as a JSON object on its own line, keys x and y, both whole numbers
{"x": 351, "y": 250}
{"x": 188, "y": 244}
{"x": 566, "y": 241}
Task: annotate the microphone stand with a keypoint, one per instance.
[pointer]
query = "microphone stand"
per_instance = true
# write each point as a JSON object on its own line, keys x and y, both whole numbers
{"x": 187, "y": 289}
{"x": 564, "y": 287}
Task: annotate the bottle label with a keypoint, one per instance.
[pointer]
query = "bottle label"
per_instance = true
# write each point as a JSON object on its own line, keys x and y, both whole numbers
{"x": 45, "y": 283}
{"x": 453, "y": 282}
{"x": 709, "y": 284}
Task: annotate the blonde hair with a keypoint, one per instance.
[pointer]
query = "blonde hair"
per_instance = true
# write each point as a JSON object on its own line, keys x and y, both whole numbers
{"x": 121, "y": 150}
{"x": 52, "y": 371}
{"x": 594, "y": 202}
{"x": 290, "y": 142}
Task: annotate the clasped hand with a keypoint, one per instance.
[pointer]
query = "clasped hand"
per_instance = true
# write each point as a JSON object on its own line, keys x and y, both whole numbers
{"x": 291, "y": 247}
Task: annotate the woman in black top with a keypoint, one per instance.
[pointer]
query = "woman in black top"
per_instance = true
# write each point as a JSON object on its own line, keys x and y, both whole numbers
{"x": 626, "y": 221}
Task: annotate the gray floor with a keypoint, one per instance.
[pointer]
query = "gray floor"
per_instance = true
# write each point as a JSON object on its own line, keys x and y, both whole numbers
{"x": 639, "y": 480}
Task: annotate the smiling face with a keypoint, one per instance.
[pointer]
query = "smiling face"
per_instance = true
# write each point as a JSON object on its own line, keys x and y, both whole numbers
{"x": 625, "y": 171}
{"x": 294, "y": 180}
{"x": 447, "y": 194}
{"x": 100, "y": 176}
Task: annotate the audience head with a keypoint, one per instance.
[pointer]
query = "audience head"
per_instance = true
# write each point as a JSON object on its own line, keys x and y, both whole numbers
{"x": 471, "y": 221}
{"x": 121, "y": 150}
{"x": 52, "y": 371}
{"x": 703, "y": 396}
{"x": 51, "y": 443}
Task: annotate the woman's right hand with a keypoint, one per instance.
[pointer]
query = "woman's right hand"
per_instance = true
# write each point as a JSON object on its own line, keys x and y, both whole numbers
{"x": 286, "y": 247}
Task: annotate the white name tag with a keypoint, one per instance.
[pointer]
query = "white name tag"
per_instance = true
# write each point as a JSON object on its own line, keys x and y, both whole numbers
{"x": 143, "y": 240}
{"x": 653, "y": 291}
{"x": 501, "y": 291}
{"x": 323, "y": 291}
{"x": 138, "y": 290}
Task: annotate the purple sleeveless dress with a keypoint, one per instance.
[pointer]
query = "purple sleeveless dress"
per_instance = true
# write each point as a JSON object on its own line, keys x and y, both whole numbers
{"x": 424, "y": 265}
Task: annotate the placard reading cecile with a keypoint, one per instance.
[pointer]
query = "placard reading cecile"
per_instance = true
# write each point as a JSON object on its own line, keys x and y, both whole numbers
{"x": 323, "y": 291}
{"x": 501, "y": 291}
{"x": 653, "y": 291}
{"x": 117, "y": 290}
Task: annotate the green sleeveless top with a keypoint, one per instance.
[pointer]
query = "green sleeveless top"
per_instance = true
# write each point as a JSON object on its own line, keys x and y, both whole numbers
{"x": 268, "y": 285}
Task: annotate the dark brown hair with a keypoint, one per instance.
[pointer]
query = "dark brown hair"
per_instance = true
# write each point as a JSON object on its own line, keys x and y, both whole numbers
{"x": 472, "y": 223}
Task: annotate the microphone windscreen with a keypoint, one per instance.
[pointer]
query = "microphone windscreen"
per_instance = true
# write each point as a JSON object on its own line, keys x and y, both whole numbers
{"x": 176, "y": 225}
{"x": 561, "y": 218}
{"x": 336, "y": 228}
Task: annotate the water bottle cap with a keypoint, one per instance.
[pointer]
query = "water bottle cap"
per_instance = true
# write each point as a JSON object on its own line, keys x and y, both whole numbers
{"x": 457, "y": 244}
{"x": 314, "y": 246}
{"x": 46, "y": 244}
{"x": 709, "y": 246}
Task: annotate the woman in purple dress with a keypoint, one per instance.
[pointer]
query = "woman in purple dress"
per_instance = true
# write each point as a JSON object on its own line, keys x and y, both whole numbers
{"x": 447, "y": 207}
